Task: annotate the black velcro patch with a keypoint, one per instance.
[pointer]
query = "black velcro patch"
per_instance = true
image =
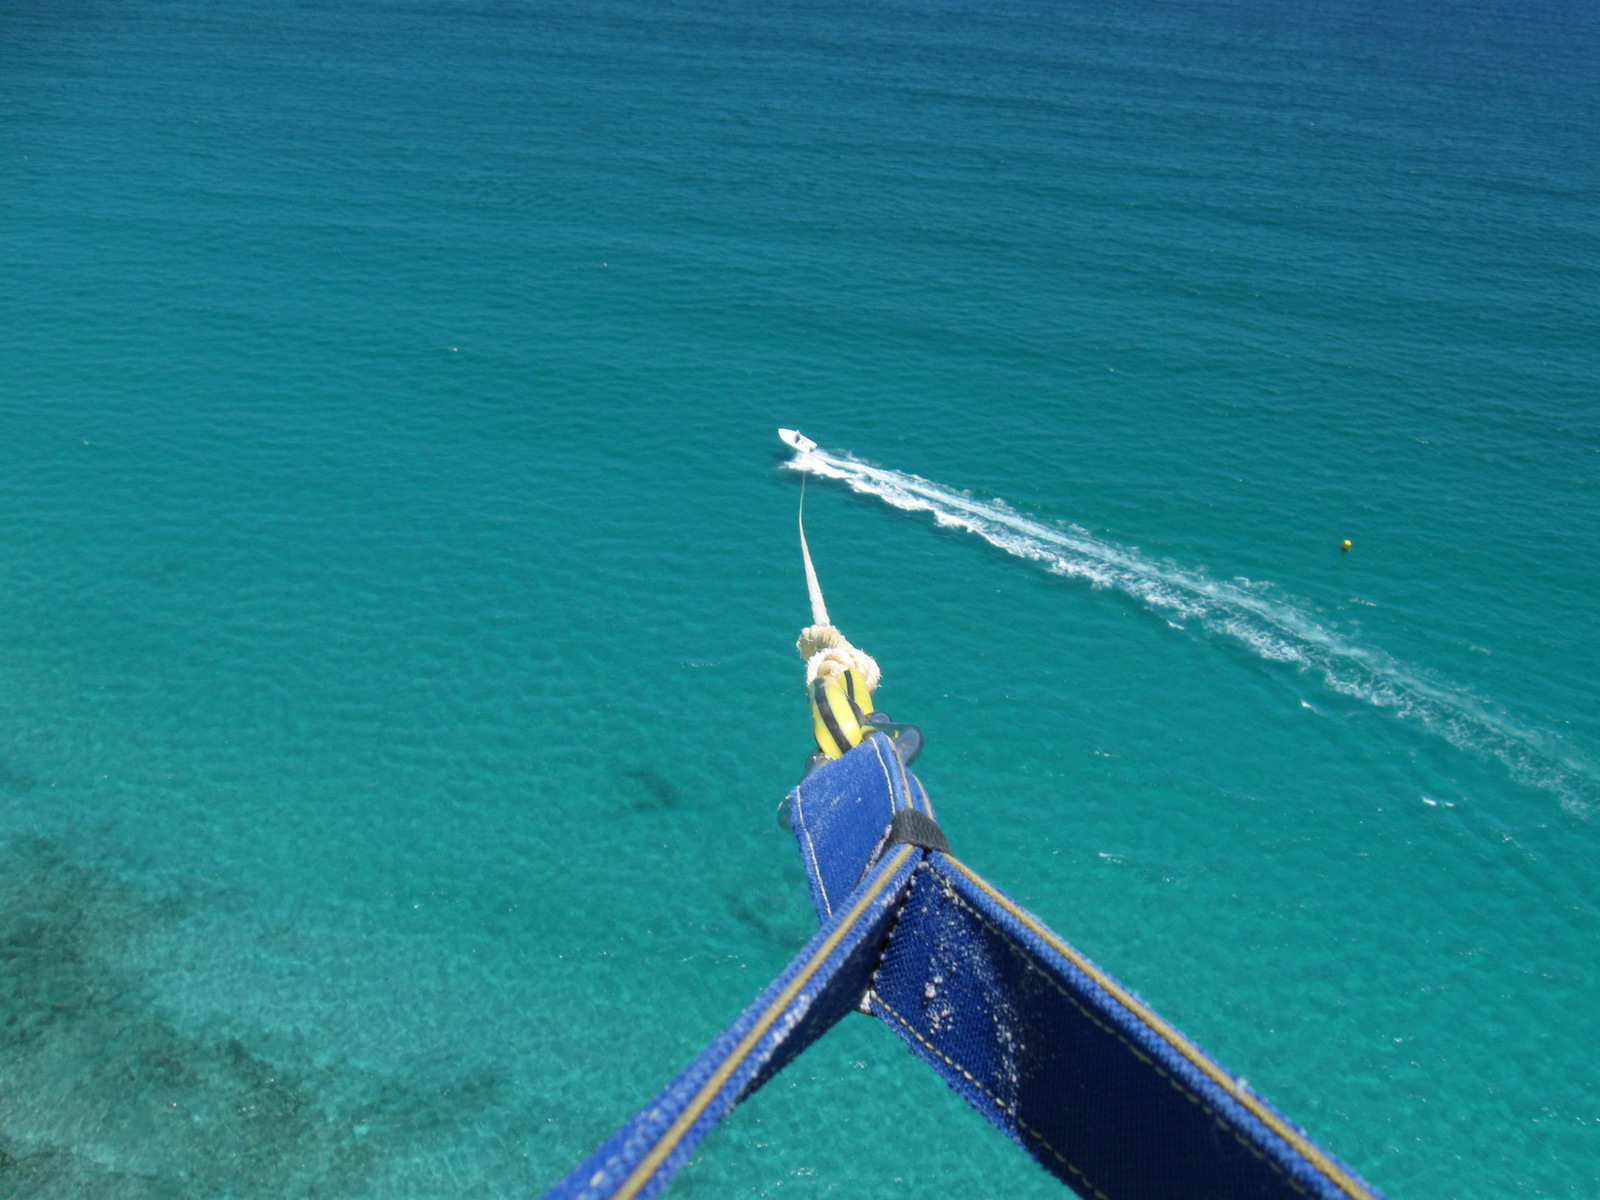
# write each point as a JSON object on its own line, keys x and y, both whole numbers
{"x": 913, "y": 827}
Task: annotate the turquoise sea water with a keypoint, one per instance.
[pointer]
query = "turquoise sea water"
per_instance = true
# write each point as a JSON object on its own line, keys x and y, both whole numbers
{"x": 398, "y": 579}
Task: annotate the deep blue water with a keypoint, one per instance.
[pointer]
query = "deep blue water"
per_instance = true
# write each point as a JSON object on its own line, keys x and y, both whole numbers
{"x": 398, "y": 580}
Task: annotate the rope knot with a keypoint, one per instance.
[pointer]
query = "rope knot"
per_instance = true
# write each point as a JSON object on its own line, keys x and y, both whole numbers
{"x": 828, "y": 652}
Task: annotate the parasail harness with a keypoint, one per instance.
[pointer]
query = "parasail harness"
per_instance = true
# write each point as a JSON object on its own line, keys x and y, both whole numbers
{"x": 1067, "y": 1062}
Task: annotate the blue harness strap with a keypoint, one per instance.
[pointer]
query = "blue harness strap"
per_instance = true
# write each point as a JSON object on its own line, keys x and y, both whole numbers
{"x": 842, "y": 811}
{"x": 1057, "y": 1054}
{"x": 823, "y": 982}
{"x": 1065, "y": 1060}
{"x": 1073, "y": 1066}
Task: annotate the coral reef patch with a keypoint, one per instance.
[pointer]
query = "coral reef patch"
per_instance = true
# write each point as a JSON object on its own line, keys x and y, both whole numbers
{"x": 108, "y": 1094}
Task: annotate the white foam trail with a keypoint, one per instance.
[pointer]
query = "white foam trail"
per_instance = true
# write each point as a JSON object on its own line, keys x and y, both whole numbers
{"x": 1251, "y": 614}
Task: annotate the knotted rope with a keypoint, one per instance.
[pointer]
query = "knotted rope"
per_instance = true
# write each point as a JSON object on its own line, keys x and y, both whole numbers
{"x": 828, "y": 652}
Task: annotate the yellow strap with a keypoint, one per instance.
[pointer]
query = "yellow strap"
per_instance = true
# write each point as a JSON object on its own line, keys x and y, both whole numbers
{"x": 839, "y": 705}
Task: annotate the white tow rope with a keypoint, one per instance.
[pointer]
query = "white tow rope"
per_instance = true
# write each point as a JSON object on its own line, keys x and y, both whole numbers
{"x": 827, "y": 651}
{"x": 819, "y": 607}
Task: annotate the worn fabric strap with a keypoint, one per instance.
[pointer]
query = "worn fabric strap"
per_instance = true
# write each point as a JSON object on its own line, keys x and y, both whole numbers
{"x": 1072, "y": 1065}
{"x": 1065, "y": 1060}
{"x": 823, "y": 982}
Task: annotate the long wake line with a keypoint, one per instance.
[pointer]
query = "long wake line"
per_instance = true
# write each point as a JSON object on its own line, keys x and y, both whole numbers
{"x": 1267, "y": 625}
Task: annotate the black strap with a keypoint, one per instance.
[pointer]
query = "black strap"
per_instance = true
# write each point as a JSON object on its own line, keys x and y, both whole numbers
{"x": 916, "y": 828}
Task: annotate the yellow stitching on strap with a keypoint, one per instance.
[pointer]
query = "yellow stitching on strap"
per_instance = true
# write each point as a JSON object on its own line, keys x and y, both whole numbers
{"x": 702, "y": 1099}
{"x": 999, "y": 1103}
{"x": 1228, "y": 1127}
{"x": 1178, "y": 1042}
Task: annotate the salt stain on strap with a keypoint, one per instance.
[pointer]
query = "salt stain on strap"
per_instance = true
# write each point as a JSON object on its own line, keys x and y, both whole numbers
{"x": 1197, "y": 1057}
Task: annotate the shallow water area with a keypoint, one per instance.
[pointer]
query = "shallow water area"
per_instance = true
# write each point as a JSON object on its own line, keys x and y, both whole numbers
{"x": 399, "y": 579}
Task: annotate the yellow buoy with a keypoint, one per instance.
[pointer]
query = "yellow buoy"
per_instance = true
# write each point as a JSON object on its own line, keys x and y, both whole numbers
{"x": 1346, "y": 545}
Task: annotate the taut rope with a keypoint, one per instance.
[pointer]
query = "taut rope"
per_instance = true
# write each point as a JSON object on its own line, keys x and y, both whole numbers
{"x": 827, "y": 651}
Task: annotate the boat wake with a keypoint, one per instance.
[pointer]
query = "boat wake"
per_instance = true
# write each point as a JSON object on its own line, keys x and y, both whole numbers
{"x": 1253, "y": 615}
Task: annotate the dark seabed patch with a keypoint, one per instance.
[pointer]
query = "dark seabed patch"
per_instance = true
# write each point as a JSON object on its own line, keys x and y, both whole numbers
{"x": 112, "y": 1098}
{"x": 15, "y": 780}
{"x": 647, "y": 790}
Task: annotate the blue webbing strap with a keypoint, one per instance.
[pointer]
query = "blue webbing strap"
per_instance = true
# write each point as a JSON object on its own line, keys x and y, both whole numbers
{"x": 1069, "y": 1063}
{"x": 1074, "y": 1067}
{"x": 823, "y": 982}
{"x": 842, "y": 811}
